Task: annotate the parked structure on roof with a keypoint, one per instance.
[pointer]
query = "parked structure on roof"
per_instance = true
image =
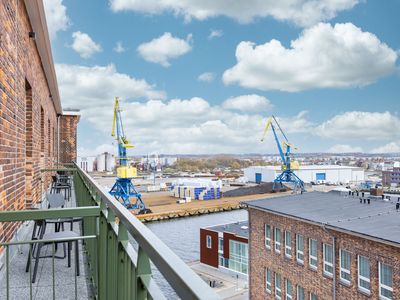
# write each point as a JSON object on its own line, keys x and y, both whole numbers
{"x": 226, "y": 247}
{"x": 331, "y": 174}
{"x": 324, "y": 246}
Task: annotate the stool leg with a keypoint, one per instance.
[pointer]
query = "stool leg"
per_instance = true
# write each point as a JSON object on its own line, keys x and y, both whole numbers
{"x": 77, "y": 257}
{"x": 69, "y": 254}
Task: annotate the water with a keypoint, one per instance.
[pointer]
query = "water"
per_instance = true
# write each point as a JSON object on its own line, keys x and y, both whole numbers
{"x": 183, "y": 237}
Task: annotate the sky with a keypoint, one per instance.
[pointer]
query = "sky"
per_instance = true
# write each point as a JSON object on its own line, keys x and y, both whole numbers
{"x": 203, "y": 76}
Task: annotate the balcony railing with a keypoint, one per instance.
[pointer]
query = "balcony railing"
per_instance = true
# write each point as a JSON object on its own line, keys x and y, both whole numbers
{"x": 118, "y": 270}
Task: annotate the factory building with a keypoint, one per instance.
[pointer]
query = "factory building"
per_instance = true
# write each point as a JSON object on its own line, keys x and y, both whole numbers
{"x": 332, "y": 174}
{"x": 226, "y": 247}
{"x": 324, "y": 246}
{"x": 105, "y": 162}
{"x": 87, "y": 163}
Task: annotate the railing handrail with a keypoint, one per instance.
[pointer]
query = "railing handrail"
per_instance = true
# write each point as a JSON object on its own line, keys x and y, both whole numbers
{"x": 186, "y": 283}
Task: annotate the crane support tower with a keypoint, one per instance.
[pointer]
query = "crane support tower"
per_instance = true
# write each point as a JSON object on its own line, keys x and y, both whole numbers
{"x": 123, "y": 189}
{"x": 288, "y": 165}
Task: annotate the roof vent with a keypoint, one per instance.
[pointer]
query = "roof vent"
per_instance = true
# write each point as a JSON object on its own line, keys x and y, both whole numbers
{"x": 368, "y": 200}
{"x": 397, "y": 205}
{"x": 244, "y": 227}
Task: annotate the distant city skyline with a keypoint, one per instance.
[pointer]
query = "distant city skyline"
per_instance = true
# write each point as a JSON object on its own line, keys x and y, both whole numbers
{"x": 202, "y": 78}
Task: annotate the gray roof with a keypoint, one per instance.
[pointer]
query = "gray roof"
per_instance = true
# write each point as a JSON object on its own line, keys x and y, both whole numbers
{"x": 379, "y": 219}
{"x": 239, "y": 228}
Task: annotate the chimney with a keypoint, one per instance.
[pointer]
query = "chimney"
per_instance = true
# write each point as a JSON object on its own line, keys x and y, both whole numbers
{"x": 369, "y": 200}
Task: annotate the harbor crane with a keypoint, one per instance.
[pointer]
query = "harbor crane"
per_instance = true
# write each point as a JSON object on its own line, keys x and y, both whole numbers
{"x": 123, "y": 189}
{"x": 288, "y": 165}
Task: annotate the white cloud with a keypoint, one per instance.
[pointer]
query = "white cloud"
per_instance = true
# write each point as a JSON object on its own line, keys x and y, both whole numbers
{"x": 248, "y": 103}
{"x": 92, "y": 88}
{"x": 215, "y": 33}
{"x": 341, "y": 148}
{"x": 56, "y": 17}
{"x": 82, "y": 151}
{"x": 84, "y": 45}
{"x": 164, "y": 48}
{"x": 206, "y": 77}
{"x": 361, "y": 125}
{"x": 119, "y": 47}
{"x": 323, "y": 56}
{"x": 392, "y": 147}
{"x": 300, "y": 12}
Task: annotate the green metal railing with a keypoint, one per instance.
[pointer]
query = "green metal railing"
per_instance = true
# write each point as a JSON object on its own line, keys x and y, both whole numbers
{"x": 118, "y": 270}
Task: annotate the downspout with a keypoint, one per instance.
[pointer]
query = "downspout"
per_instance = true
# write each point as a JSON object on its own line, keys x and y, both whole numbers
{"x": 334, "y": 261}
{"x": 58, "y": 139}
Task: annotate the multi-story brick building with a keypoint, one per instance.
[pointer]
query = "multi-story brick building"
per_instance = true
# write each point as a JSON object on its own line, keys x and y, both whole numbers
{"x": 324, "y": 246}
{"x": 391, "y": 178}
{"x": 31, "y": 114}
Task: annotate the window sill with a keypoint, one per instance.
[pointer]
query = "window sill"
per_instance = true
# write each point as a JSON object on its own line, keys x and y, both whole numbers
{"x": 345, "y": 283}
{"x": 364, "y": 292}
{"x": 328, "y": 275}
{"x": 299, "y": 262}
{"x": 314, "y": 269}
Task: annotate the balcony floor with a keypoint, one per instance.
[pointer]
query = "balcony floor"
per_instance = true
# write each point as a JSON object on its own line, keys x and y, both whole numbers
{"x": 43, "y": 287}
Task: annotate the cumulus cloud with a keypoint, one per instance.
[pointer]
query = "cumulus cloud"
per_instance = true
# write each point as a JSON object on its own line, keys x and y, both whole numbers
{"x": 56, "y": 17}
{"x": 84, "y": 45}
{"x": 89, "y": 88}
{"x": 341, "y": 148}
{"x": 119, "y": 47}
{"x": 300, "y": 12}
{"x": 206, "y": 77}
{"x": 248, "y": 103}
{"x": 164, "y": 48}
{"x": 324, "y": 56}
{"x": 215, "y": 33}
{"x": 392, "y": 147}
{"x": 361, "y": 125}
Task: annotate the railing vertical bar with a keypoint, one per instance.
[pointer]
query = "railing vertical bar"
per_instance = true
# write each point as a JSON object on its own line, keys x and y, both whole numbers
{"x": 30, "y": 271}
{"x": 76, "y": 267}
{"x": 8, "y": 270}
{"x": 53, "y": 270}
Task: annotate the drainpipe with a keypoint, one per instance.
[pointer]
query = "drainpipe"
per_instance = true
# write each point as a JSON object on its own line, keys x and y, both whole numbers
{"x": 58, "y": 139}
{"x": 333, "y": 263}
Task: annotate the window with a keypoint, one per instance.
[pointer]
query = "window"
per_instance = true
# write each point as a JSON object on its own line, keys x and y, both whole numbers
{"x": 288, "y": 290}
{"x": 268, "y": 280}
{"x": 385, "y": 281}
{"x": 312, "y": 248}
{"x": 267, "y": 236}
{"x": 313, "y": 296}
{"x": 278, "y": 288}
{"x": 277, "y": 240}
{"x": 220, "y": 244}
{"x": 345, "y": 266}
{"x": 300, "y": 293}
{"x": 328, "y": 259}
{"x": 288, "y": 244}
{"x": 208, "y": 237}
{"x": 238, "y": 256}
{"x": 363, "y": 274}
{"x": 300, "y": 248}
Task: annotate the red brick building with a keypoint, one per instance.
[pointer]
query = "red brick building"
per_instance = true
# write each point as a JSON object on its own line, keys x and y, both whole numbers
{"x": 31, "y": 116}
{"x": 225, "y": 247}
{"x": 324, "y": 246}
{"x": 391, "y": 178}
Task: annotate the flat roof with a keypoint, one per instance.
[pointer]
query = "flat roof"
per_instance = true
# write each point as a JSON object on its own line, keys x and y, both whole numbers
{"x": 312, "y": 167}
{"x": 240, "y": 228}
{"x": 338, "y": 211}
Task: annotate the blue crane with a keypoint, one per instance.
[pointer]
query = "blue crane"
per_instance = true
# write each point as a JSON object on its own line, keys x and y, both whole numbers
{"x": 288, "y": 165}
{"x": 123, "y": 189}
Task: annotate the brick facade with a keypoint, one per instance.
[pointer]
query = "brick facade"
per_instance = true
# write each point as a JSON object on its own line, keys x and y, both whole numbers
{"x": 313, "y": 281}
{"x": 28, "y": 111}
{"x": 68, "y": 137}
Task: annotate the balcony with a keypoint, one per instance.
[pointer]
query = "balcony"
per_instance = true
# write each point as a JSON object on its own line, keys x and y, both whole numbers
{"x": 115, "y": 253}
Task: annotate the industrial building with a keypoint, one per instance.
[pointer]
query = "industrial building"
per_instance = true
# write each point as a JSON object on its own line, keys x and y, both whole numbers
{"x": 324, "y": 246}
{"x": 105, "y": 162}
{"x": 332, "y": 174}
{"x": 87, "y": 163}
{"x": 226, "y": 247}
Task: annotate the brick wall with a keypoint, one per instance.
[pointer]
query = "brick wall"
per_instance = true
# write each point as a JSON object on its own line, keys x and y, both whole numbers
{"x": 303, "y": 275}
{"x": 28, "y": 120}
{"x": 68, "y": 132}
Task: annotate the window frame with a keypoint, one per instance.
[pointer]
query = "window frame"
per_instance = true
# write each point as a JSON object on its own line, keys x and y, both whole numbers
{"x": 208, "y": 241}
{"x": 313, "y": 294}
{"x": 268, "y": 284}
{"x": 361, "y": 277}
{"x": 312, "y": 257}
{"x": 278, "y": 290}
{"x": 299, "y": 260}
{"x": 277, "y": 244}
{"x": 288, "y": 248}
{"x": 327, "y": 263}
{"x": 267, "y": 240}
{"x": 298, "y": 294}
{"x": 384, "y": 286}
{"x": 287, "y": 296}
{"x": 341, "y": 269}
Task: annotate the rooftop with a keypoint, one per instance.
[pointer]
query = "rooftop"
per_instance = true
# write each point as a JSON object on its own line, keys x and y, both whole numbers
{"x": 239, "y": 228}
{"x": 313, "y": 167}
{"x": 378, "y": 220}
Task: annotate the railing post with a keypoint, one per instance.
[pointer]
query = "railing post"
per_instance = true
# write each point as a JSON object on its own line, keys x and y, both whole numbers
{"x": 143, "y": 273}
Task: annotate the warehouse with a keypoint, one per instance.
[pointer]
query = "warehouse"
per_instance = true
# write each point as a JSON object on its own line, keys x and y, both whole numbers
{"x": 332, "y": 174}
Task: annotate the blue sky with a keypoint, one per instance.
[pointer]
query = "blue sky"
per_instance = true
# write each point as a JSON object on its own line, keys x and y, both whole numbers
{"x": 329, "y": 73}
